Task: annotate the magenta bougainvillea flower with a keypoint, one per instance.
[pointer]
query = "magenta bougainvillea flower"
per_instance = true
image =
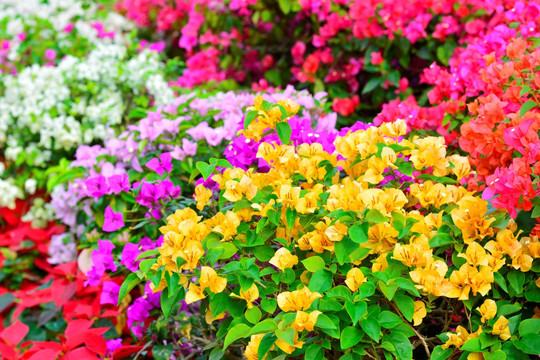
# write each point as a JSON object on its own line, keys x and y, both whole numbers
{"x": 113, "y": 221}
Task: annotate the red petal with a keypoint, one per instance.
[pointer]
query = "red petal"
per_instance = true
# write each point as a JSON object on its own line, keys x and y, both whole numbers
{"x": 77, "y": 326}
{"x": 81, "y": 353}
{"x": 45, "y": 354}
{"x": 125, "y": 351}
{"x": 14, "y": 333}
{"x": 96, "y": 343}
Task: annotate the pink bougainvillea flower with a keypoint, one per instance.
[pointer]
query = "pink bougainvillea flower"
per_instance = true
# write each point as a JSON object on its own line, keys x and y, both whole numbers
{"x": 113, "y": 221}
{"x": 160, "y": 164}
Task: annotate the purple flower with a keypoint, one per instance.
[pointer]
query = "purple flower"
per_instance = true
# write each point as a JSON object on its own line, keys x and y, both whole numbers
{"x": 129, "y": 256}
{"x": 113, "y": 345}
{"x": 113, "y": 221}
{"x": 97, "y": 186}
{"x": 109, "y": 294}
{"x": 161, "y": 164}
{"x": 147, "y": 244}
{"x": 102, "y": 260}
{"x": 119, "y": 183}
{"x": 189, "y": 147}
{"x": 169, "y": 188}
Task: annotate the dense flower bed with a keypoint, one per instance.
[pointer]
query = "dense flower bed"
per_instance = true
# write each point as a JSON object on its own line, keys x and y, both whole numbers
{"x": 378, "y": 199}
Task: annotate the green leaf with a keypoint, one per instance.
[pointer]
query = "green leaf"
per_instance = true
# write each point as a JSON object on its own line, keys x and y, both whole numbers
{"x": 219, "y": 303}
{"x": 284, "y": 132}
{"x": 388, "y": 289}
{"x": 371, "y": 327}
{"x": 266, "y": 343}
{"x": 168, "y": 302}
{"x": 472, "y": 345}
{"x": 356, "y": 311}
{"x": 528, "y": 105}
{"x": 290, "y": 215}
{"x": 147, "y": 264}
{"x": 324, "y": 322}
{"x": 131, "y": 281}
{"x": 286, "y": 335}
{"x": 148, "y": 253}
{"x": 205, "y": 169}
{"x": 376, "y": 216}
{"x": 439, "y": 353}
{"x": 402, "y": 344}
{"x": 406, "y": 305}
{"x": 162, "y": 352}
{"x": 269, "y": 305}
{"x": 238, "y": 331}
{"x": 440, "y": 239}
{"x": 314, "y": 263}
{"x": 344, "y": 249}
{"x": 497, "y": 355}
{"x": 285, "y": 6}
{"x": 350, "y": 336}
{"x": 529, "y": 344}
{"x": 371, "y": 85}
{"x": 388, "y": 319}
{"x": 314, "y": 352}
{"x": 529, "y": 326}
{"x": 516, "y": 280}
{"x": 250, "y": 116}
{"x": 264, "y": 326}
{"x": 253, "y": 315}
{"x": 359, "y": 233}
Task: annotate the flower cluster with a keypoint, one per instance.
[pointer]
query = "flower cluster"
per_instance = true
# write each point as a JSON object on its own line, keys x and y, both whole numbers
{"x": 341, "y": 46}
{"x": 143, "y": 174}
{"x": 355, "y": 249}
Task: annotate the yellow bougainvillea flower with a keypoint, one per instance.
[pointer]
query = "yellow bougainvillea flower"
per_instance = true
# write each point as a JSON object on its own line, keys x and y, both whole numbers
{"x": 380, "y": 264}
{"x": 420, "y": 312}
{"x": 394, "y": 129}
{"x": 430, "y": 152}
{"x": 250, "y": 295}
{"x": 283, "y": 259}
{"x": 469, "y": 278}
{"x": 289, "y": 196}
{"x": 336, "y": 232}
{"x": 252, "y": 348}
{"x": 194, "y": 294}
{"x": 475, "y": 356}
{"x": 210, "y": 318}
{"x": 469, "y": 217}
{"x": 210, "y": 279}
{"x": 235, "y": 190}
{"x": 306, "y": 321}
{"x": 462, "y": 167}
{"x": 226, "y": 224}
{"x": 288, "y": 348}
{"x": 355, "y": 278}
{"x": 501, "y": 328}
{"x": 475, "y": 255}
{"x": 202, "y": 195}
{"x": 488, "y": 310}
{"x": 297, "y": 300}
{"x": 460, "y": 337}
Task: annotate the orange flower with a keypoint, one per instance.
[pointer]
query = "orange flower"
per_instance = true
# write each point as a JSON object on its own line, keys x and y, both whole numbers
{"x": 355, "y": 277}
{"x": 488, "y": 310}
{"x": 250, "y": 295}
{"x": 501, "y": 328}
{"x": 297, "y": 300}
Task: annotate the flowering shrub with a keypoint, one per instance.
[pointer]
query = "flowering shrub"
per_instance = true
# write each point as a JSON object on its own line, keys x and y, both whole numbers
{"x": 43, "y": 32}
{"x": 48, "y": 111}
{"x": 371, "y": 250}
{"x": 374, "y": 49}
{"x": 134, "y": 180}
